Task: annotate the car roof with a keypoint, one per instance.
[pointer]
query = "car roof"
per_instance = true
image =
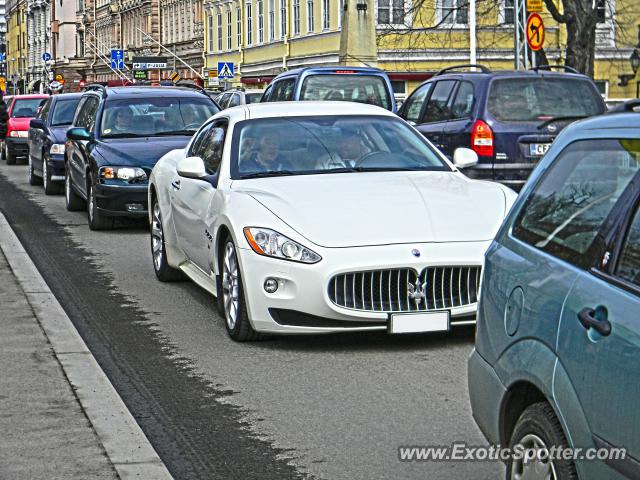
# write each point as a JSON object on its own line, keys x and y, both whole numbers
{"x": 66, "y": 96}
{"x": 298, "y": 71}
{"x": 309, "y": 108}
{"x": 31, "y": 95}
{"x": 149, "y": 91}
{"x": 610, "y": 121}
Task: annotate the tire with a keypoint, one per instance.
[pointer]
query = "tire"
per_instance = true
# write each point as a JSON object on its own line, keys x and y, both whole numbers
{"x": 164, "y": 272}
{"x": 31, "y": 176}
{"x": 9, "y": 157}
{"x": 97, "y": 220}
{"x": 538, "y": 427}
{"x": 72, "y": 200}
{"x": 50, "y": 188}
{"x": 235, "y": 310}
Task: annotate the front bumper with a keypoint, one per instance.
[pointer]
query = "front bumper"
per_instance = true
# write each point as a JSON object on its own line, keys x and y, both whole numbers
{"x": 303, "y": 289}
{"x": 116, "y": 200}
{"x": 55, "y": 163}
{"x": 18, "y": 147}
{"x": 486, "y": 392}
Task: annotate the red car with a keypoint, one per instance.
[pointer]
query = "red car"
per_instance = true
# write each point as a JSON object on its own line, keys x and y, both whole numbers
{"x": 21, "y": 109}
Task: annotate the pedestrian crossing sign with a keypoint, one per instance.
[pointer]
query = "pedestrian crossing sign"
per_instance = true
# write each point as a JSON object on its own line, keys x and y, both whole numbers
{"x": 225, "y": 70}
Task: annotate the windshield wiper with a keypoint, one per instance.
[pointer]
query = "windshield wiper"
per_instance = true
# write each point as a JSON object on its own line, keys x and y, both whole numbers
{"x": 268, "y": 173}
{"x": 124, "y": 135}
{"x": 173, "y": 132}
{"x": 560, "y": 118}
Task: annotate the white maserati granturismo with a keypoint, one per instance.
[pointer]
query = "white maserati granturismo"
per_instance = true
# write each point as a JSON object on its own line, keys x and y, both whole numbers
{"x": 301, "y": 218}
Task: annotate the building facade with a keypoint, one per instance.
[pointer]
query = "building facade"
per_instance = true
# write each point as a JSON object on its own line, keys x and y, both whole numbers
{"x": 16, "y": 57}
{"x": 38, "y": 43}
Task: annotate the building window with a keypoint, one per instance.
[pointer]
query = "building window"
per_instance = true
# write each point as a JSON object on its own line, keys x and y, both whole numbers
{"x": 260, "y": 8}
{"x": 210, "y": 31}
{"x": 326, "y": 14}
{"x": 219, "y": 32}
{"x": 340, "y": 12}
{"x": 508, "y": 12}
{"x": 283, "y": 18}
{"x": 229, "y": 29}
{"x": 454, "y": 12}
{"x": 249, "y": 25}
{"x": 310, "y": 25}
{"x": 239, "y": 26}
{"x": 601, "y": 11}
{"x": 272, "y": 20}
{"x": 391, "y": 12}
{"x": 296, "y": 17}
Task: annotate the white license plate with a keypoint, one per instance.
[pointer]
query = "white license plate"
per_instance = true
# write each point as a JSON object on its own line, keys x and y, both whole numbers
{"x": 539, "y": 149}
{"x": 419, "y": 322}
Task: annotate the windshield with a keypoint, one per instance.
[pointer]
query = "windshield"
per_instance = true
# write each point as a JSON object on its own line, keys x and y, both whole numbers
{"x": 370, "y": 89}
{"x": 26, "y": 107}
{"x": 328, "y": 144}
{"x": 64, "y": 111}
{"x": 149, "y": 117}
{"x": 253, "y": 97}
{"x": 538, "y": 99}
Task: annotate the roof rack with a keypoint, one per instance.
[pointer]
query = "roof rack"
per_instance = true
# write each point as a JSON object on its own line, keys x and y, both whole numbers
{"x": 552, "y": 67}
{"x": 483, "y": 68}
{"x": 96, "y": 87}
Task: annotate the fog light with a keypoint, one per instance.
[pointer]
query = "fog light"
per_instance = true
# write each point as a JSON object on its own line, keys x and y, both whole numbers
{"x": 270, "y": 285}
{"x": 134, "y": 207}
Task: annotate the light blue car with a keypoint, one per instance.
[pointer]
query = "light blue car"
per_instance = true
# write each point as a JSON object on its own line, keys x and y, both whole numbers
{"x": 557, "y": 354}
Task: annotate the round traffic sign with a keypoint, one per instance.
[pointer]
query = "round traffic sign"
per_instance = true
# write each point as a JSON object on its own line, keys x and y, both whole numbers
{"x": 535, "y": 32}
{"x": 46, "y": 56}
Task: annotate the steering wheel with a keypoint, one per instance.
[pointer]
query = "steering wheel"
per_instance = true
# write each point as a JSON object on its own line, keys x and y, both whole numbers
{"x": 365, "y": 157}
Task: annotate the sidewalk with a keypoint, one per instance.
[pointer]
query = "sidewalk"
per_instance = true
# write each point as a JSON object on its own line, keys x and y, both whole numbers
{"x": 44, "y": 433}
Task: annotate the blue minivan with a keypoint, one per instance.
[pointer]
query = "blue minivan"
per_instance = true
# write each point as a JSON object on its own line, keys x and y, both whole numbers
{"x": 350, "y": 84}
{"x": 557, "y": 354}
{"x": 509, "y": 118}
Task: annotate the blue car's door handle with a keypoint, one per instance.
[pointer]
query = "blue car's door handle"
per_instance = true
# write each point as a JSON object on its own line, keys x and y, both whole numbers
{"x": 587, "y": 319}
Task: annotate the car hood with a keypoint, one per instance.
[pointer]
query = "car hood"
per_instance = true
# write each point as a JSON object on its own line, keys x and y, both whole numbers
{"x": 381, "y": 208}
{"x": 59, "y": 134}
{"x": 139, "y": 152}
{"x": 19, "y": 123}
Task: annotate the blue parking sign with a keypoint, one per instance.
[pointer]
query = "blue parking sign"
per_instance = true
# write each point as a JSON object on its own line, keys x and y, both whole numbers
{"x": 46, "y": 56}
{"x": 117, "y": 59}
{"x": 225, "y": 70}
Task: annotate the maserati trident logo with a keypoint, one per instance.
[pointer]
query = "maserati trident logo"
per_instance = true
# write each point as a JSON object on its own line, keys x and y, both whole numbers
{"x": 418, "y": 291}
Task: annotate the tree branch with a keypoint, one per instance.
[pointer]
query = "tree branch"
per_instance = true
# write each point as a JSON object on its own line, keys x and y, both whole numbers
{"x": 555, "y": 13}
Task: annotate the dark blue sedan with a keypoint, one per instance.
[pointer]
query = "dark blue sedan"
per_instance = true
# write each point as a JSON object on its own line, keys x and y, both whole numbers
{"x": 47, "y": 137}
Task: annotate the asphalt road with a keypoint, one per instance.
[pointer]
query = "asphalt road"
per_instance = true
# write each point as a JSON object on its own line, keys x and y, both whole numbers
{"x": 329, "y": 407}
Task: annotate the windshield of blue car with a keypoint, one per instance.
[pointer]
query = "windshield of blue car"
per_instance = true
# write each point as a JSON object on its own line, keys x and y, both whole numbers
{"x": 26, "y": 107}
{"x": 64, "y": 111}
{"x": 536, "y": 99}
{"x": 347, "y": 87}
{"x": 155, "y": 116}
{"x": 328, "y": 144}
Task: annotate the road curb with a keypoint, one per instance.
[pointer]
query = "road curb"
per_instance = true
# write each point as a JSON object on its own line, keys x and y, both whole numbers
{"x": 123, "y": 440}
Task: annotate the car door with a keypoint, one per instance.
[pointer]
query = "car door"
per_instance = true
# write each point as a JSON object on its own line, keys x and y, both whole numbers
{"x": 457, "y": 131}
{"x": 80, "y": 155}
{"x": 37, "y": 137}
{"x": 599, "y": 340}
{"x": 437, "y": 112}
{"x": 192, "y": 198}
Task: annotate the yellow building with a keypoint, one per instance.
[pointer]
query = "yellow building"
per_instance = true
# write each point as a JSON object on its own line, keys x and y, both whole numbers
{"x": 265, "y": 37}
{"x": 16, "y": 56}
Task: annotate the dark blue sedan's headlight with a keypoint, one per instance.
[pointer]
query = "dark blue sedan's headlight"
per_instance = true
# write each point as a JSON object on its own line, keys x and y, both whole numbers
{"x": 126, "y": 174}
{"x": 57, "y": 149}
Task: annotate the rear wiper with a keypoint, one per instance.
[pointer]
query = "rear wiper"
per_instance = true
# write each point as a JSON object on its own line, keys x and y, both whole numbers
{"x": 174, "y": 132}
{"x": 558, "y": 119}
{"x": 268, "y": 173}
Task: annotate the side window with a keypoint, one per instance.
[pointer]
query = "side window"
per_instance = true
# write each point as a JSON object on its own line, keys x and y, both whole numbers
{"x": 437, "y": 109}
{"x": 79, "y": 110}
{"x": 565, "y": 211}
{"x": 463, "y": 104}
{"x": 266, "y": 97}
{"x": 197, "y": 146}
{"x": 629, "y": 263}
{"x": 415, "y": 103}
{"x": 87, "y": 114}
{"x": 283, "y": 90}
{"x": 235, "y": 100}
{"x": 213, "y": 147}
{"x": 44, "y": 112}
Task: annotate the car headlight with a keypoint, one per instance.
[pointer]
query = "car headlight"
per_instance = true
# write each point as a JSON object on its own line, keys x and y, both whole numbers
{"x": 19, "y": 133}
{"x": 268, "y": 242}
{"x": 57, "y": 149}
{"x": 128, "y": 174}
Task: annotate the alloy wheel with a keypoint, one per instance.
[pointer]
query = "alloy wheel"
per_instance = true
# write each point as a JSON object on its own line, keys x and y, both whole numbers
{"x": 230, "y": 285}
{"x": 536, "y": 468}
{"x": 157, "y": 237}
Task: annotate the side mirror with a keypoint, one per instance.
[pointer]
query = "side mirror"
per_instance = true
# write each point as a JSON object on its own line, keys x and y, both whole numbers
{"x": 464, "y": 158}
{"x": 191, "y": 167}
{"x": 79, "y": 133}
{"x": 37, "y": 123}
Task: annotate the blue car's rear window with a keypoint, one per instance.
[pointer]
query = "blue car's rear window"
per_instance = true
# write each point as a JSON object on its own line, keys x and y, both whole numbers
{"x": 349, "y": 87}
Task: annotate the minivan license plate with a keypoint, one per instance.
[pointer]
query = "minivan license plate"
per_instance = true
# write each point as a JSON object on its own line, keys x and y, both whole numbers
{"x": 539, "y": 149}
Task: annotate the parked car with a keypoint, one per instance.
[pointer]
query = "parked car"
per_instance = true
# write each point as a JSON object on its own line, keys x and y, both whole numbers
{"x": 117, "y": 137}
{"x": 21, "y": 109}
{"x": 47, "y": 137}
{"x": 302, "y": 219}
{"x": 350, "y": 84}
{"x": 557, "y": 354}
{"x": 509, "y": 118}
{"x": 235, "y": 97}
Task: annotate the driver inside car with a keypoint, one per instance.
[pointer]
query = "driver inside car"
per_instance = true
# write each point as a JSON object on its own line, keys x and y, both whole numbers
{"x": 266, "y": 157}
{"x": 350, "y": 147}
{"x": 123, "y": 121}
